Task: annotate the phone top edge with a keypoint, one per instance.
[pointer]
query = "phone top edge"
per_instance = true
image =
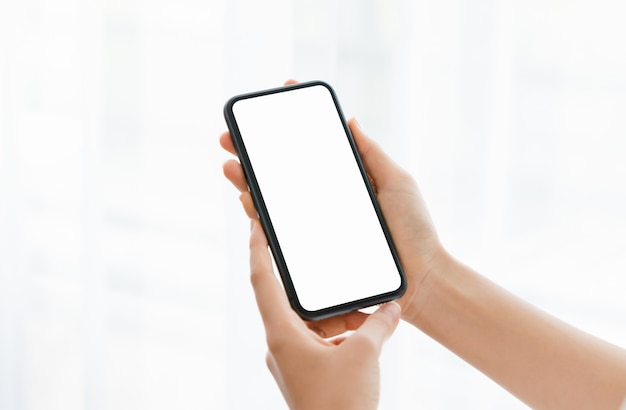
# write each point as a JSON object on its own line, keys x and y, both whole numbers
{"x": 231, "y": 101}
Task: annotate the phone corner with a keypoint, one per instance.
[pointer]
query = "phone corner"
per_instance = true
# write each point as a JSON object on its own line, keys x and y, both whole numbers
{"x": 403, "y": 286}
{"x": 228, "y": 106}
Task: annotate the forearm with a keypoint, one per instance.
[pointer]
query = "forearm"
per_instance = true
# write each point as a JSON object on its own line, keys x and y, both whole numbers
{"x": 538, "y": 358}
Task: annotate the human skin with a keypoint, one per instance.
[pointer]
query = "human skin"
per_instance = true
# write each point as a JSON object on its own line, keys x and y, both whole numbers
{"x": 313, "y": 372}
{"x": 541, "y": 360}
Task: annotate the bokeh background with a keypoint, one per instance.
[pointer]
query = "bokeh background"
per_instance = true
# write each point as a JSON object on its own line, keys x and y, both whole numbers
{"x": 123, "y": 251}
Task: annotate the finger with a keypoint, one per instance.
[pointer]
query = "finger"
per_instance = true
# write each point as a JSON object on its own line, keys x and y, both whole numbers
{"x": 377, "y": 164}
{"x": 227, "y": 143}
{"x": 270, "y": 362}
{"x": 337, "y": 325}
{"x": 270, "y": 297}
{"x": 378, "y": 327}
{"x": 234, "y": 173}
{"x": 291, "y": 81}
{"x": 248, "y": 205}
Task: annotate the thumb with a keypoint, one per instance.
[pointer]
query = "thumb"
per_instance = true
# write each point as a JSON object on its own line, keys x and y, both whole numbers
{"x": 377, "y": 163}
{"x": 379, "y": 326}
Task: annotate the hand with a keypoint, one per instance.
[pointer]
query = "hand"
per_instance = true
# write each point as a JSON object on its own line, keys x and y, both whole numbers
{"x": 312, "y": 372}
{"x": 404, "y": 210}
{"x": 533, "y": 355}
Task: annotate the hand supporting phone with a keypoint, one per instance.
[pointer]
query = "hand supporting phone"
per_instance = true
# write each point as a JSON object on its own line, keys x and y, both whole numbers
{"x": 319, "y": 212}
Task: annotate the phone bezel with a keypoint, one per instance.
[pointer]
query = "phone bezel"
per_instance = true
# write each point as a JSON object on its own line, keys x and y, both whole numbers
{"x": 265, "y": 218}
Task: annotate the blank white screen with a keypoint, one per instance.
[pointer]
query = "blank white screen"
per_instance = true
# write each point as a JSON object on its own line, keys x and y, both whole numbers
{"x": 323, "y": 217}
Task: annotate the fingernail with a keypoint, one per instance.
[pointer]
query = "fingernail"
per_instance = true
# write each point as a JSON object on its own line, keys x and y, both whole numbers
{"x": 356, "y": 122}
{"x": 392, "y": 309}
{"x": 251, "y": 224}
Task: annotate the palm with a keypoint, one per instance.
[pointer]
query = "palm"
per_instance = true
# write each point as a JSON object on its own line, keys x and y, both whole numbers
{"x": 406, "y": 215}
{"x": 404, "y": 210}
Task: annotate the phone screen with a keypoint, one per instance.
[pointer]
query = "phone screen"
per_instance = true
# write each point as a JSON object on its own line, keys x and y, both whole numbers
{"x": 327, "y": 235}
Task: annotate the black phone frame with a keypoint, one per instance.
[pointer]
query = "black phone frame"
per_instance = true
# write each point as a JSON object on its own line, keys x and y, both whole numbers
{"x": 266, "y": 222}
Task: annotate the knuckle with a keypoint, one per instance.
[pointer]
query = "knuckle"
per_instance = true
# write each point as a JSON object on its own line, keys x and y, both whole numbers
{"x": 256, "y": 277}
{"x": 275, "y": 345}
{"x": 269, "y": 361}
{"x": 368, "y": 346}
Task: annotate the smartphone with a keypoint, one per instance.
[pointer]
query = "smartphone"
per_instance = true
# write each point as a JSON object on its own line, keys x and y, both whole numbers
{"x": 325, "y": 229}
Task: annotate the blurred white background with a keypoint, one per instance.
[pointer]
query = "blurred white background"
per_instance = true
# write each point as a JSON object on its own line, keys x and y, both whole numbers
{"x": 123, "y": 252}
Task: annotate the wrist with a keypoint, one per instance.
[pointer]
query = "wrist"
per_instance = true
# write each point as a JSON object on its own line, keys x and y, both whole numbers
{"x": 427, "y": 274}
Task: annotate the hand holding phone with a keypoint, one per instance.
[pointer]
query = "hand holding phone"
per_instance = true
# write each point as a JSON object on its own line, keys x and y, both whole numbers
{"x": 327, "y": 234}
